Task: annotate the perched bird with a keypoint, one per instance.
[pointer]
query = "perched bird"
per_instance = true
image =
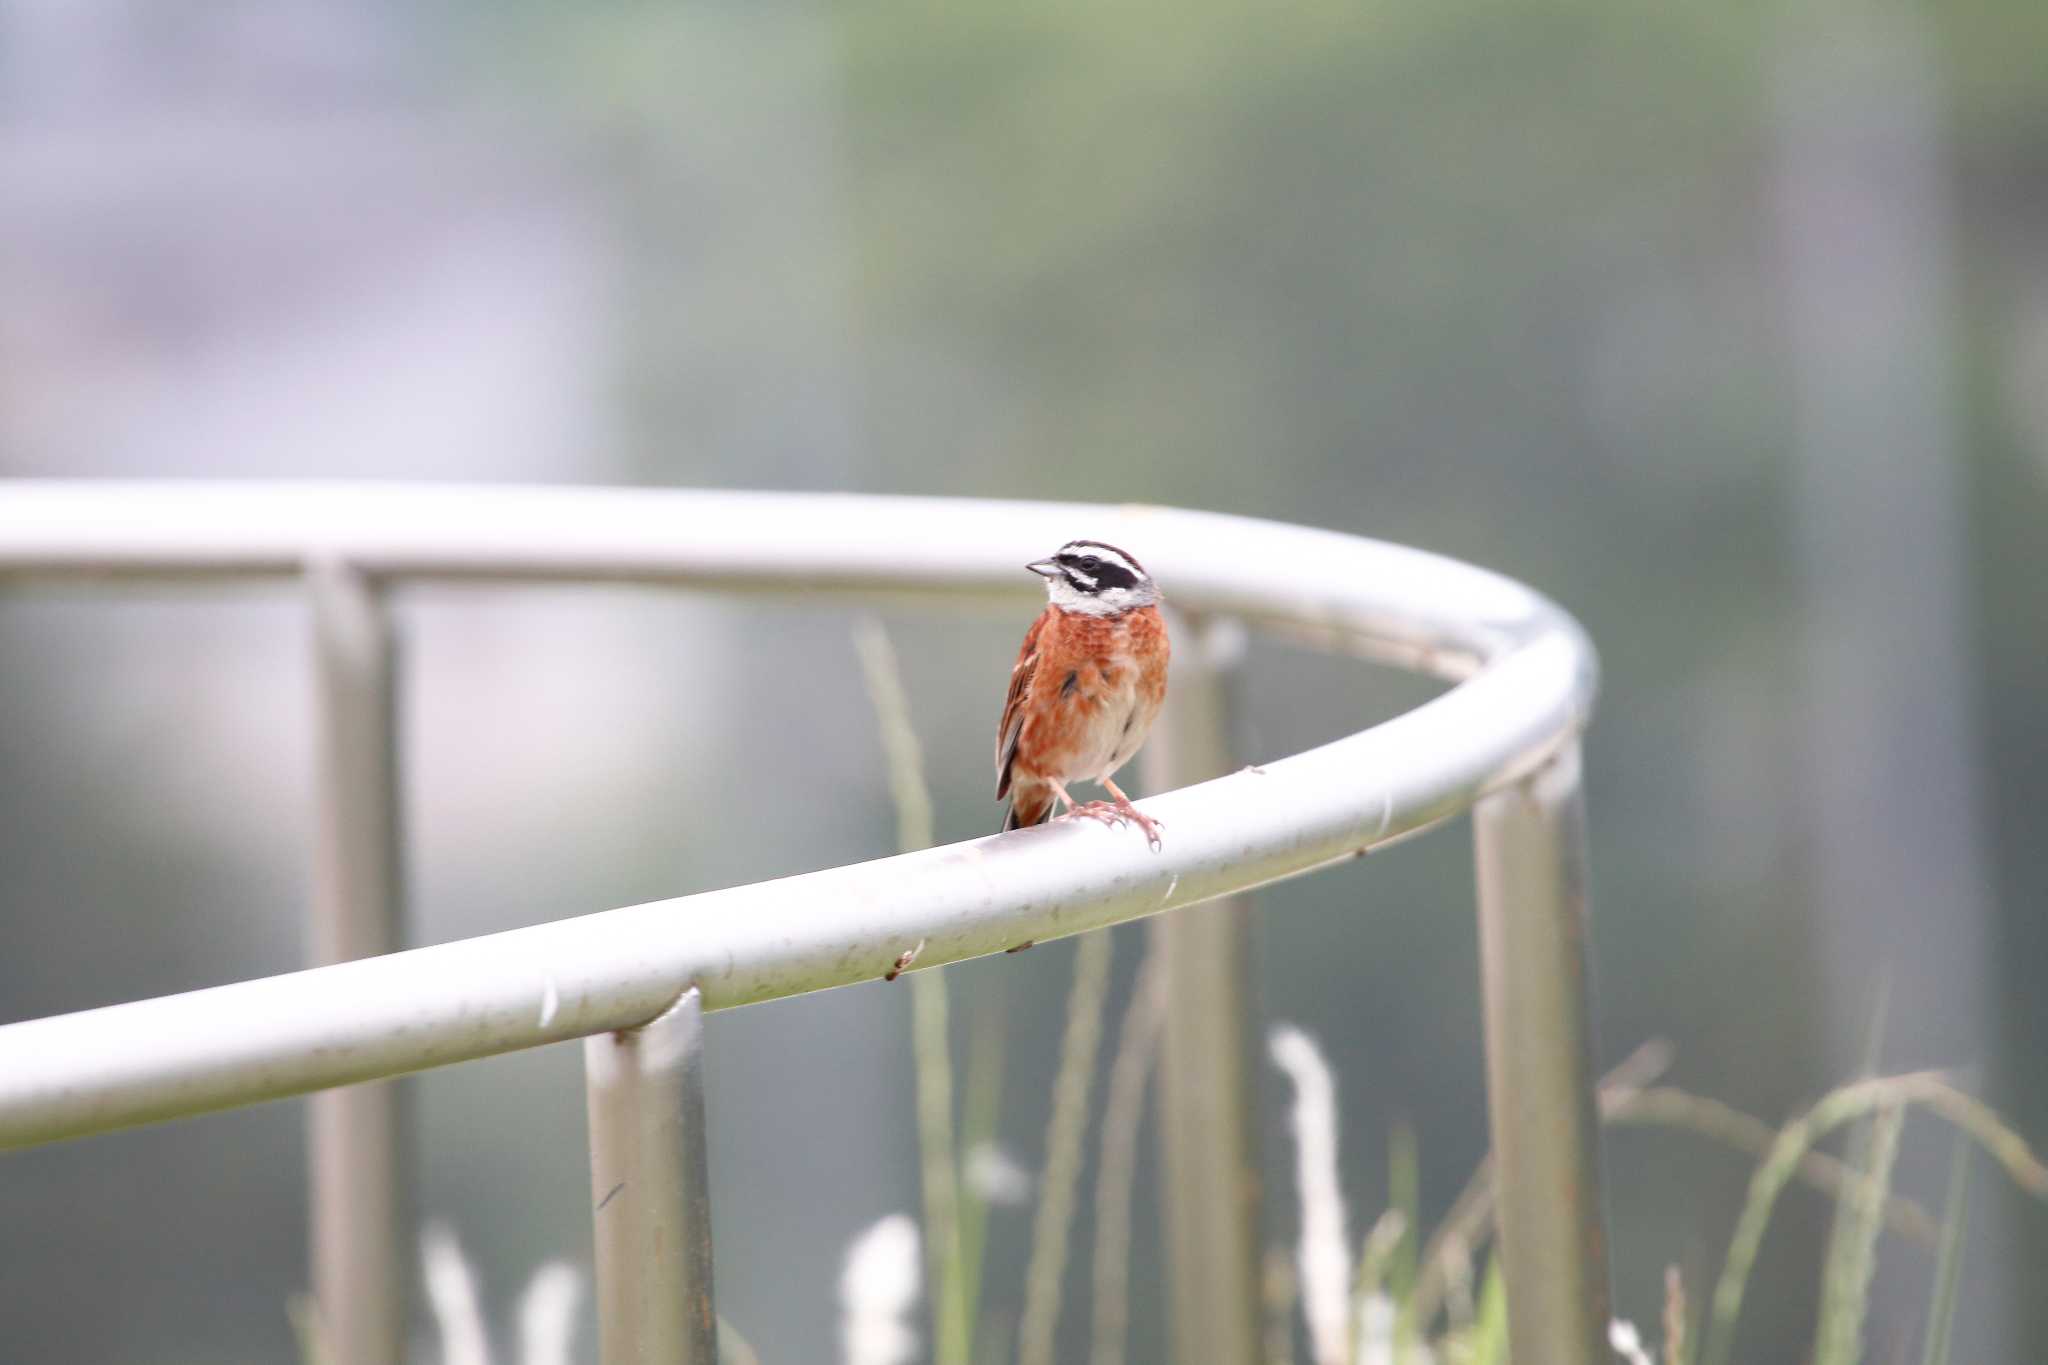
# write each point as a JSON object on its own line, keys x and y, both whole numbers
{"x": 1086, "y": 687}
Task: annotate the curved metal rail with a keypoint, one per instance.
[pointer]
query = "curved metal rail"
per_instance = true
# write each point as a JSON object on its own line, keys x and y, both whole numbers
{"x": 1502, "y": 740}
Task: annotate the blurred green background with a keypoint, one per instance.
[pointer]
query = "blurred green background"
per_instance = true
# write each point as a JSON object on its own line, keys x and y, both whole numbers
{"x": 1726, "y": 326}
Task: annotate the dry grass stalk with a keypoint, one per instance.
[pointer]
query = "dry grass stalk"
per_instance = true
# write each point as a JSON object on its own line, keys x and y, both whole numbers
{"x": 1669, "y": 1107}
{"x": 1470, "y": 1220}
{"x": 1063, "y": 1134}
{"x": 1279, "y": 1289}
{"x": 1845, "y": 1296}
{"x": 931, "y": 1033}
{"x": 1137, "y": 1043}
{"x": 1674, "y": 1317}
{"x": 1840, "y": 1106}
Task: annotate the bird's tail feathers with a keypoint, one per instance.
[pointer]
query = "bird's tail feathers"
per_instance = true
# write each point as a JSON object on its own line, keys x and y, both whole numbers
{"x": 1028, "y": 807}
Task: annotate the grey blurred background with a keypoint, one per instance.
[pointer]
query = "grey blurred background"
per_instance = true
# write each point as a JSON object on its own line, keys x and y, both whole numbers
{"x": 1727, "y": 326}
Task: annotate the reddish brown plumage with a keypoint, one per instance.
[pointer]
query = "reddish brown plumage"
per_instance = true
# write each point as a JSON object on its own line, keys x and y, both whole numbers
{"x": 1083, "y": 694}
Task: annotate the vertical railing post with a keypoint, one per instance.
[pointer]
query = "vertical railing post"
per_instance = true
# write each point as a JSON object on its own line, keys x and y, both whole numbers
{"x": 1531, "y": 852}
{"x": 360, "y": 1252}
{"x": 650, "y": 1190}
{"x": 1211, "y": 1189}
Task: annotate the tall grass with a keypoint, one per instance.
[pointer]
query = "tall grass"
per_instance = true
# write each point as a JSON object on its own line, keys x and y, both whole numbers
{"x": 956, "y": 1218}
{"x": 1845, "y": 1293}
{"x": 1064, "y": 1132}
{"x": 946, "y": 1262}
{"x": 1862, "y": 1098}
{"x": 1677, "y": 1326}
{"x": 1116, "y": 1170}
{"x": 1941, "y": 1314}
{"x": 1401, "y": 1298}
{"x": 1352, "y": 1318}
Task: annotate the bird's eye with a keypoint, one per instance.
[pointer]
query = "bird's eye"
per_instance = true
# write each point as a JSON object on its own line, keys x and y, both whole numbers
{"x": 1090, "y": 563}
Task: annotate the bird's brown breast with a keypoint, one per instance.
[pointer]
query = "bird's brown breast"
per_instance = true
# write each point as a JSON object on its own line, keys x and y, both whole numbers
{"x": 1098, "y": 684}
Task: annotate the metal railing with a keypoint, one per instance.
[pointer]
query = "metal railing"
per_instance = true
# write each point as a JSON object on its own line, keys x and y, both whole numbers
{"x": 633, "y": 982}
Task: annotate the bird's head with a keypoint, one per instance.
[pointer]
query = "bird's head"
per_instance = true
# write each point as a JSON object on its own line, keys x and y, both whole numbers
{"x": 1095, "y": 579}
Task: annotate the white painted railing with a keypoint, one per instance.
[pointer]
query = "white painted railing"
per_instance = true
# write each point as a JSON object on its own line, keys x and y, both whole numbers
{"x": 1502, "y": 742}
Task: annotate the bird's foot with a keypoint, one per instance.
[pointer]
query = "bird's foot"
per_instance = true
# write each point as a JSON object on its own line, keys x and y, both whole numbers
{"x": 1121, "y": 812}
{"x": 1147, "y": 823}
{"x": 1105, "y": 811}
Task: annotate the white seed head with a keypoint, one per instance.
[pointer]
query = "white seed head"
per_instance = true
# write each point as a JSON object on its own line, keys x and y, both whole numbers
{"x": 1324, "y": 1258}
{"x": 876, "y": 1292}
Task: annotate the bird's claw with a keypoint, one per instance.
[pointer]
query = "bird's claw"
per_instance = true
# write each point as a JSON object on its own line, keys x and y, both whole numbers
{"x": 1113, "y": 813}
{"x": 1104, "y": 811}
{"x": 1150, "y": 826}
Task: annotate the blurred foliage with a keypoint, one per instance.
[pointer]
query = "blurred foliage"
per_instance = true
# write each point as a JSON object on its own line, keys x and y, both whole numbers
{"x": 1500, "y": 279}
{"x": 1495, "y": 278}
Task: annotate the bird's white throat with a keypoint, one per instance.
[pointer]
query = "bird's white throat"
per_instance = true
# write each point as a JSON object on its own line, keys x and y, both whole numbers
{"x": 1108, "y": 602}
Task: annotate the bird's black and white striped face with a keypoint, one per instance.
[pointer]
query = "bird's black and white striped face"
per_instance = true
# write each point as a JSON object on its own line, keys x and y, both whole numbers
{"x": 1095, "y": 579}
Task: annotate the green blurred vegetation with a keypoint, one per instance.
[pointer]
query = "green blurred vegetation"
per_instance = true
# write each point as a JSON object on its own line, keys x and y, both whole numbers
{"x": 1496, "y": 279}
{"x": 1499, "y": 279}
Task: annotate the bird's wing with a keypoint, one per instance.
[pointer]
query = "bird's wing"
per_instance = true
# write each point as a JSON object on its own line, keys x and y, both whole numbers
{"x": 1012, "y": 723}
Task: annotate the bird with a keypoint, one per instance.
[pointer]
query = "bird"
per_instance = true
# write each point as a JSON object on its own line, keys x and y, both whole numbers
{"x": 1086, "y": 687}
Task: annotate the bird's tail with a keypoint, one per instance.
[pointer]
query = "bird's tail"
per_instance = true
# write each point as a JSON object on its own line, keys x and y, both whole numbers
{"x": 1028, "y": 806}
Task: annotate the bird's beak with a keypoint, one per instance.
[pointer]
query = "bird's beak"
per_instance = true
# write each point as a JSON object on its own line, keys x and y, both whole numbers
{"x": 1044, "y": 568}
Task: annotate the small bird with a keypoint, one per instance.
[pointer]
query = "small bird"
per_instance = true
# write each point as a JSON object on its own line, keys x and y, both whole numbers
{"x": 1087, "y": 685}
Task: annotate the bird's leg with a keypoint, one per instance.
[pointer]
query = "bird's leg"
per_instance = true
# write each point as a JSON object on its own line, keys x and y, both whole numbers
{"x": 1092, "y": 810}
{"x": 1125, "y": 809}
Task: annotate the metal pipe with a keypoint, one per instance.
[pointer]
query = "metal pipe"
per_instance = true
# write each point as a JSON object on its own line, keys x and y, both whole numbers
{"x": 650, "y": 1190}
{"x": 204, "y": 1050}
{"x": 1406, "y": 606}
{"x": 1209, "y": 1168}
{"x": 1527, "y": 681}
{"x": 1531, "y": 853}
{"x": 359, "y": 1250}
